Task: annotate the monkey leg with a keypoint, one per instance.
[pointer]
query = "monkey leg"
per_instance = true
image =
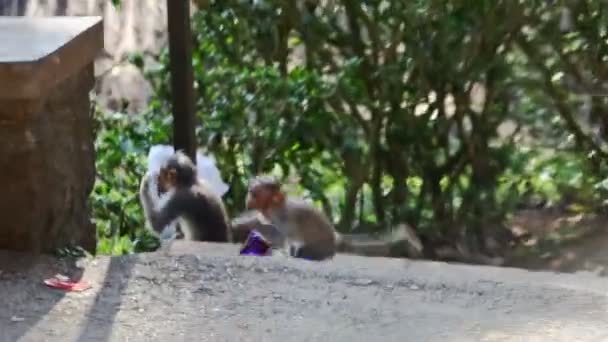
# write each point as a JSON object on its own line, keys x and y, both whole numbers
{"x": 313, "y": 251}
{"x": 179, "y": 234}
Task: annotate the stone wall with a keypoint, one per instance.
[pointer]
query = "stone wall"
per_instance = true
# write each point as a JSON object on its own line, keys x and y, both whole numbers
{"x": 137, "y": 26}
{"x": 47, "y": 163}
{"x": 47, "y": 156}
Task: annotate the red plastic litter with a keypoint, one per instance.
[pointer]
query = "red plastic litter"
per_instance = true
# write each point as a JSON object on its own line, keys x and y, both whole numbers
{"x": 64, "y": 283}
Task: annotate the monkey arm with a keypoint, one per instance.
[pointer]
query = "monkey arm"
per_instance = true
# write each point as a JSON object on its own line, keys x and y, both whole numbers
{"x": 171, "y": 210}
{"x": 158, "y": 219}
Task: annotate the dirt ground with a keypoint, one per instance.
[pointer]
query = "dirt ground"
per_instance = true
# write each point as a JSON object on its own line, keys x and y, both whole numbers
{"x": 561, "y": 242}
{"x": 204, "y": 292}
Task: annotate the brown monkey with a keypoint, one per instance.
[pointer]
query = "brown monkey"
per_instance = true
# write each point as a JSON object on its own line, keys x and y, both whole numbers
{"x": 309, "y": 234}
{"x": 201, "y": 212}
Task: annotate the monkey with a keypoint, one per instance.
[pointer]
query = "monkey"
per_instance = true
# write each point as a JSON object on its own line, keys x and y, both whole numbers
{"x": 308, "y": 232}
{"x": 201, "y": 212}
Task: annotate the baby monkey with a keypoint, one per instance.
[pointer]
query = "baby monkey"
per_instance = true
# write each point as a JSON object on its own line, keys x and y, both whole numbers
{"x": 309, "y": 234}
{"x": 201, "y": 212}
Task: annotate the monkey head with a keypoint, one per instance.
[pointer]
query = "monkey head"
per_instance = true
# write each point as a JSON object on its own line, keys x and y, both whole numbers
{"x": 264, "y": 194}
{"x": 166, "y": 179}
{"x": 177, "y": 171}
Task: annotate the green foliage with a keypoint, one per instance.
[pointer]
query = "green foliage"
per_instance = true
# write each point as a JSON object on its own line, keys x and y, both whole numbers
{"x": 122, "y": 142}
{"x": 383, "y": 111}
{"x": 549, "y": 176}
{"x": 275, "y": 94}
{"x": 71, "y": 252}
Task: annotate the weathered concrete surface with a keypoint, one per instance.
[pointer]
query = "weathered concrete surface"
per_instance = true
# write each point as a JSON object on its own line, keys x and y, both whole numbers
{"x": 37, "y": 54}
{"x": 47, "y": 159}
{"x": 138, "y": 26}
{"x": 43, "y": 35}
{"x": 221, "y": 297}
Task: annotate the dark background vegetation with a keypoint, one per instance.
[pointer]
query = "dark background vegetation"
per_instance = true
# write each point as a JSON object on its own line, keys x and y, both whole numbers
{"x": 445, "y": 115}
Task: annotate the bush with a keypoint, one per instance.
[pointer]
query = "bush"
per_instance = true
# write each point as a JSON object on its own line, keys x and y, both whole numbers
{"x": 122, "y": 143}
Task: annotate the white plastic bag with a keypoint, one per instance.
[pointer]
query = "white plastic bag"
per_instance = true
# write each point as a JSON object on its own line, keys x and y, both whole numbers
{"x": 157, "y": 155}
{"x": 205, "y": 167}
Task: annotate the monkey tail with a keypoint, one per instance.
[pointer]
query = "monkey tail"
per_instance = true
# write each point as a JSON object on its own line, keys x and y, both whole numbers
{"x": 370, "y": 248}
{"x": 402, "y": 241}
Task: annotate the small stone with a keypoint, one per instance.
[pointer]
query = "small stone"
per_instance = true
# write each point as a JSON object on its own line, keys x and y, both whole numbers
{"x": 261, "y": 270}
{"x": 16, "y": 319}
{"x": 362, "y": 282}
{"x": 414, "y": 287}
{"x": 248, "y": 262}
{"x": 62, "y": 277}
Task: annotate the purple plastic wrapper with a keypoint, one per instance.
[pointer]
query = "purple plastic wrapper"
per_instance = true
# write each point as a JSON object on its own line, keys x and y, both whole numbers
{"x": 255, "y": 245}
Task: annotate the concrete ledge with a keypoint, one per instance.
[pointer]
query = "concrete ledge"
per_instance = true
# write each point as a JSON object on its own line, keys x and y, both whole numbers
{"x": 216, "y": 295}
{"x": 38, "y": 53}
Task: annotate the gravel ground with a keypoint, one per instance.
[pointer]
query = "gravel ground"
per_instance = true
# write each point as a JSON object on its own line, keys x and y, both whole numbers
{"x": 203, "y": 292}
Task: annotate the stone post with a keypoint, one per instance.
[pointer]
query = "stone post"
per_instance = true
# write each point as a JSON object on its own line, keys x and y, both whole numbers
{"x": 47, "y": 156}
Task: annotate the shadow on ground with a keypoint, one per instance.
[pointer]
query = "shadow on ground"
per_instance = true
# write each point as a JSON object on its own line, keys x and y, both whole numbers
{"x": 27, "y": 303}
{"x": 21, "y": 284}
{"x": 100, "y": 318}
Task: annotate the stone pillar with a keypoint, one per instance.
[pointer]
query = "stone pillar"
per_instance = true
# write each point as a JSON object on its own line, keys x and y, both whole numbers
{"x": 47, "y": 157}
